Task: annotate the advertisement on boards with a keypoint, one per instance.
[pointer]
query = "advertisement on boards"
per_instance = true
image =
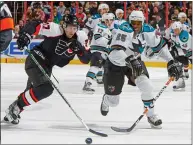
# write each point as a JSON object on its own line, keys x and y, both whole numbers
{"x": 13, "y": 51}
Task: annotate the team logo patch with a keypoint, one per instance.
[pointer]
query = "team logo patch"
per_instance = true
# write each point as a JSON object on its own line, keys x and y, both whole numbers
{"x": 111, "y": 88}
{"x": 185, "y": 45}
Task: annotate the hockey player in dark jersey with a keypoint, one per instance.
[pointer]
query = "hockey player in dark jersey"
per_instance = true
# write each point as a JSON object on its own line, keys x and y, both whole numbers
{"x": 6, "y": 26}
{"x": 59, "y": 47}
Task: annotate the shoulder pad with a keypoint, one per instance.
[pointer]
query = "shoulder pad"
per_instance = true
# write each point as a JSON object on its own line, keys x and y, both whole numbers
{"x": 96, "y": 16}
{"x": 102, "y": 25}
{"x": 126, "y": 27}
{"x": 184, "y": 36}
{"x": 147, "y": 28}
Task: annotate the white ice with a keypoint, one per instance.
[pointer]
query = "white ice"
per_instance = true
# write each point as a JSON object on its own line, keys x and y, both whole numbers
{"x": 52, "y": 122}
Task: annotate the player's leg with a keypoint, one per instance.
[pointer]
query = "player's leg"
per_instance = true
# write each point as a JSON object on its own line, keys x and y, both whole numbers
{"x": 146, "y": 88}
{"x": 180, "y": 84}
{"x": 95, "y": 64}
{"x": 184, "y": 63}
{"x": 40, "y": 89}
{"x": 113, "y": 83}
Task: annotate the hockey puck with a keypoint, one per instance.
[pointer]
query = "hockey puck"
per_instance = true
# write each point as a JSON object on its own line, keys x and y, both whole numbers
{"x": 88, "y": 140}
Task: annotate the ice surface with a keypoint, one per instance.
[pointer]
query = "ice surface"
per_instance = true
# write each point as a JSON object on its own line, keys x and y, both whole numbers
{"x": 52, "y": 122}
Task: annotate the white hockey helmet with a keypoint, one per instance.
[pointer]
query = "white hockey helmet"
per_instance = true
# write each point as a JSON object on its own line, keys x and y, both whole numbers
{"x": 108, "y": 16}
{"x": 103, "y": 6}
{"x": 136, "y": 16}
{"x": 177, "y": 25}
{"x": 118, "y": 11}
{"x": 182, "y": 14}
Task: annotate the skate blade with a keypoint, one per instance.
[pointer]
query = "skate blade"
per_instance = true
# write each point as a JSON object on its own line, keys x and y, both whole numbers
{"x": 100, "y": 85}
{"x": 88, "y": 92}
{"x": 156, "y": 127}
{"x": 179, "y": 90}
{"x": 6, "y": 122}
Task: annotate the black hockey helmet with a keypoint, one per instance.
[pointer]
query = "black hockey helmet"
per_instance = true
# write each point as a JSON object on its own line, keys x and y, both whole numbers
{"x": 70, "y": 20}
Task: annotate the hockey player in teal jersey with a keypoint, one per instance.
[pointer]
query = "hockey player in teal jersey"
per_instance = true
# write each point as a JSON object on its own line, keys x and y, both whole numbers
{"x": 99, "y": 49}
{"x": 131, "y": 40}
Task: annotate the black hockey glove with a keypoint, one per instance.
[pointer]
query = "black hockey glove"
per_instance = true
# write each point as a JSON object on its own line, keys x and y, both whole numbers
{"x": 76, "y": 47}
{"x": 135, "y": 65}
{"x": 23, "y": 40}
{"x": 174, "y": 69}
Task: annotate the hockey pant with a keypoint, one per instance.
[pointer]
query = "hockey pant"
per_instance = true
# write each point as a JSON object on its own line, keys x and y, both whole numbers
{"x": 114, "y": 81}
{"x": 96, "y": 66}
{"x": 38, "y": 87}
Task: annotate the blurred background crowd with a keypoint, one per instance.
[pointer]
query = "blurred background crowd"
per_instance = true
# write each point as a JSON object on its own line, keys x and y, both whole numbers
{"x": 53, "y": 12}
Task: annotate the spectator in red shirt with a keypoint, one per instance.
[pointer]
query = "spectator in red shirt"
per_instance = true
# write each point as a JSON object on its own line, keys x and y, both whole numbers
{"x": 81, "y": 16}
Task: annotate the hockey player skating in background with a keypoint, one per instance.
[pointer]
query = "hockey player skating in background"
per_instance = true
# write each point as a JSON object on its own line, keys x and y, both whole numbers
{"x": 118, "y": 21}
{"x": 6, "y": 26}
{"x": 181, "y": 50}
{"x": 99, "y": 48}
{"x": 59, "y": 47}
{"x": 95, "y": 19}
{"x": 119, "y": 18}
{"x": 89, "y": 28}
{"x": 130, "y": 38}
{"x": 182, "y": 17}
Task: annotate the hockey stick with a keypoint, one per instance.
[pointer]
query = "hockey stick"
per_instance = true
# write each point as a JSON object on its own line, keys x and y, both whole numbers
{"x": 117, "y": 129}
{"x": 48, "y": 78}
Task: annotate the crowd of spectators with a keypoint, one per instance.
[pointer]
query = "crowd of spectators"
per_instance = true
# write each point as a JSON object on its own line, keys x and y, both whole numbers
{"x": 84, "y": 10}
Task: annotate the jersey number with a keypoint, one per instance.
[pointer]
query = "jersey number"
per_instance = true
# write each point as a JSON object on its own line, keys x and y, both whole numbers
{"x": 121, "y": 37}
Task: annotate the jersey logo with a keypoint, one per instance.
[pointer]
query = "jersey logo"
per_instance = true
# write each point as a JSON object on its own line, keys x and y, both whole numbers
{"x": 69, "y": 50}
{"x": 185, "y": 45}
{"x": 62, "y": 47}
{"x": 111, "y": 88}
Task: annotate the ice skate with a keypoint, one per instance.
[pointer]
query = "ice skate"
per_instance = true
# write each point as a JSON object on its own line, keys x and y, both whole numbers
{"x": 180, "y": 85}
{"x": 12, "y": 114}
{"x": 104, "y": 107}
{"x": 88, "y": 88}
{"x": 154, "y": 121}
{"x": 99, "y": 78}
{"x": 99, "y": 82}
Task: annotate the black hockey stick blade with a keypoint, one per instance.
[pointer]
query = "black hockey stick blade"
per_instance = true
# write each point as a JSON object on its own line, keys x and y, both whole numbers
{"x": 98, "y": 133}
{"x": 117, "y": 129}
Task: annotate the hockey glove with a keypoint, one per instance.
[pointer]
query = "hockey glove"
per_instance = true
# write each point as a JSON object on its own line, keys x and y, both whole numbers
{"x": 76, "y": 47}
{"x": 135, "y": 65}
{"x": 174, "y": 69}
{"x": 23, "y": 40}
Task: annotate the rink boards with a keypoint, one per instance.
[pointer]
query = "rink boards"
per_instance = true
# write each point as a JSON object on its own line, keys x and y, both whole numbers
{"x": 13, "y": 55}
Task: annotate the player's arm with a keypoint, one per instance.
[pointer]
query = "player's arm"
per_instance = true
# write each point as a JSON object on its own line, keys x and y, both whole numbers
{"x": 187, "y": 44}
{"x": 89, "y": 26}
{"x": 24, "y": 38}
{"x": 78, "y": 47}
{"x": 157, "y": 46}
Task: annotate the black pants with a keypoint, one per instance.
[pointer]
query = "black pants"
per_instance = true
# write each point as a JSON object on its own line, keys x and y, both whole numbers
{"x": 114, "y": 77}
{"x": 38, "y": 87}
{"x": 96, "y": 60}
